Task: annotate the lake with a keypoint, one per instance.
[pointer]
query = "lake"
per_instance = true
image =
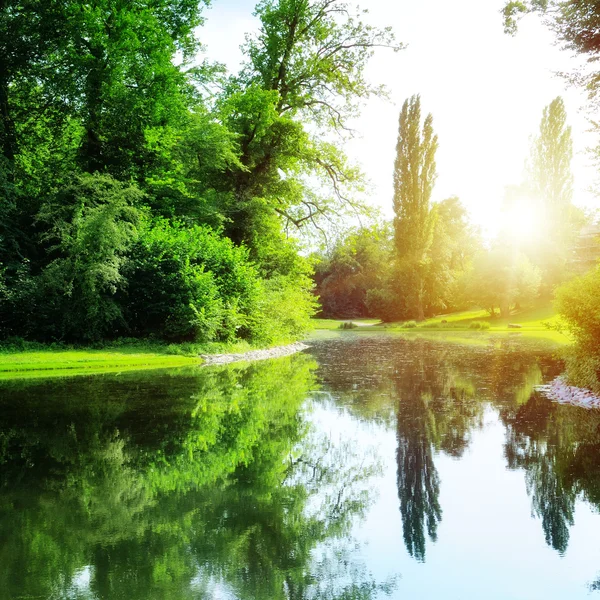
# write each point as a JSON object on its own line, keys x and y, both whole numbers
{"x": 369, "y": 466}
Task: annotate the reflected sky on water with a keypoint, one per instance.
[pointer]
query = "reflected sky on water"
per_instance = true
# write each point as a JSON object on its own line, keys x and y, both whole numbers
{"x": 366, "y": 467}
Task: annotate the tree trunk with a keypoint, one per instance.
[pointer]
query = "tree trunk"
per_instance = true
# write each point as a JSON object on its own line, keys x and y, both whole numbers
{"x": 8, "y": 140}
{"x": 90, "y": 153}
{"x": 420, "y": 312}
{"x": 420, "y": 294}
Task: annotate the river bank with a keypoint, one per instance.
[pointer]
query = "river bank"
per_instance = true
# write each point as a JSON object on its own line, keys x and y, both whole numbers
{"x": 540, "y": 323}
{"x": 563, "y": 393}
{"x": 19, "y": 359}
{"x": 252, "y": 355}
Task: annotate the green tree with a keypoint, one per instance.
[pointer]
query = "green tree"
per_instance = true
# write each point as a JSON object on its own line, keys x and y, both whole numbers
{"x": 305, "y": 68}
{"x": 29, "y": 31}
{"x": 453, "y": 247}
{"x": 575, "y": 23}
{"x": 107, "y": 87}
{"x": 122, "y": 70}
{"x": 550, "y": 168}
{"x": 550, "y": 189}
{"x": 91, "y": 226}
{"x": 414, "y": 178}
{"x": 358, "y": 263}
{"x": 502, "y": 278}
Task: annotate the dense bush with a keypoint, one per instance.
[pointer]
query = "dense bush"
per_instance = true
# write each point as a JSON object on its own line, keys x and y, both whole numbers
{"x": 111, "y": 270}
{"x": 385, "y": 303}
{"x": 347, "y": 274}
{"x": 283, "y": 310}
{"x": 189, "y": 284}
{"x": 578, "y": 303}
{"x": 479, "y": 325}
{"x": 88, "y": 228}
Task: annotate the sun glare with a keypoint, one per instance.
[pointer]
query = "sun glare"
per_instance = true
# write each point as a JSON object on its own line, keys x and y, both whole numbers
{"x": 521, "y": 223}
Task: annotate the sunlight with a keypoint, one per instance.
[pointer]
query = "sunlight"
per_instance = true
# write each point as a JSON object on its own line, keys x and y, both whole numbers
{"x": 520, "y": 222}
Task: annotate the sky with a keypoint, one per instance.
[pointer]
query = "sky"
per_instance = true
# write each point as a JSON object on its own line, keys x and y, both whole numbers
{"x": 485, "y": 89}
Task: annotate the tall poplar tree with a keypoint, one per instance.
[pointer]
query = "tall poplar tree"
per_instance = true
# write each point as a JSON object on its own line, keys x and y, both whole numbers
{"x": 414, "y": 178}
{"x": 550, "y": 180}
{"x": 551, "y": 156}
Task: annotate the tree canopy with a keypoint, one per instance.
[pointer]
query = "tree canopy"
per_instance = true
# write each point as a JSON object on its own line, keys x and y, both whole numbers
{"x": 133, "y": 177}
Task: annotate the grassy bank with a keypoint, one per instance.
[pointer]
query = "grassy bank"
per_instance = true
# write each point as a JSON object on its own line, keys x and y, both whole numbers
{"x": 466, "y": 326}
{"x": 27, "y": 359}
{"x": 20, "y": 359}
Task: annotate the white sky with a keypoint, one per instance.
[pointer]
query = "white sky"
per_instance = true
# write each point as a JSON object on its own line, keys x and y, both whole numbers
{"x": 486, "y": 91}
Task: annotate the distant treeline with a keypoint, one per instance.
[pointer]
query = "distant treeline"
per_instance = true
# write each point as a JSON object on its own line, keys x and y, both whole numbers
{"x": 431, "y": 260}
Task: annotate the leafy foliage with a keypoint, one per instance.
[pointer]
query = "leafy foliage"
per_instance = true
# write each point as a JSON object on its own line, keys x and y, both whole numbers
{"x": 143, "y": 195}
{"x": 414, "y": 177}
{"x": 578, "y": 302}
{"x": 357, "y": 264}
{"x": 187, "y": 283}
{"x": 502, "y": 278}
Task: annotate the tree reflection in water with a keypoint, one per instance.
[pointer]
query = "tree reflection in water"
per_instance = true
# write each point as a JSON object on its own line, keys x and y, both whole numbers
{"x": 437, "y": 394}
{"x": 436, "y": 411}
{"x": 216, "y": 482}
{"x": 173, "y": 485}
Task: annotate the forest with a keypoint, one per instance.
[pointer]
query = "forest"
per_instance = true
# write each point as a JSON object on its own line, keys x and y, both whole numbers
{"x": 148, "y": 194}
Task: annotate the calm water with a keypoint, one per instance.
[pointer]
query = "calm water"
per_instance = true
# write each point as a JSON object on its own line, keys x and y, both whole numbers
{"x": 368, "y": 467}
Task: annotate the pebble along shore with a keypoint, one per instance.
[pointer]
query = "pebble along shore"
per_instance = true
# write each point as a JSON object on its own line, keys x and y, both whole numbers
{"x": 225, "y": 359}
{"x": 561, "y": 392}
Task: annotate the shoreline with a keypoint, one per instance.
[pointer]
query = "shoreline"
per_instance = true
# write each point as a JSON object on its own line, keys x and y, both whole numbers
{"x": 561, "y": 392}
{"x": 39, "y": 361}
{"x": 210, "y": 360}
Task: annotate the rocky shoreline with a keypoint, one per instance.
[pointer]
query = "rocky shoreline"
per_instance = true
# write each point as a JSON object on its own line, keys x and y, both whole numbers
{"x": 559, "y": 391}
{"x": 253, "y": 355}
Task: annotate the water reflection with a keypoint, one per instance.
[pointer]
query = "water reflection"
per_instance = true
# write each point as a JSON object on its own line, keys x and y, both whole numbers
{"x": 181, "y": 485}
{"x": 558, "y": 447}
{"x": 229, "y": 482}
{"x": 435, "y": 411}
{"x": 438, "y": 395}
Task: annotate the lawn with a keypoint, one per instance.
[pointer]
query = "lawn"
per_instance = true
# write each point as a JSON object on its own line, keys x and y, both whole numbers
{"x": 44, "y": 363}
{"x": 533, "y": 323}
{"x": 336, "y": 323}
{"x": 36, "y": 360}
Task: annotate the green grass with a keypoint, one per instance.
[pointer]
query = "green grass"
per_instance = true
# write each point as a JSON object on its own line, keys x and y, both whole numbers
{"x": 335, "y": 323}
{"x": 534, "y": 323}
{"x": 22, "y": 359}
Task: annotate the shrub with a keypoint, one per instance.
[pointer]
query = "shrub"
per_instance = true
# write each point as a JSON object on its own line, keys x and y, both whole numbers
{"x": 578, "y": 303}
{"x": 189, "y": 284}
{"x": 284, "y": 309}
{"x": 91, "y": 224}
{"x": 479, "y": 325}
{"x": 383, "y": 304}
{"x": 348, "y": 325}
{"x": 409, "y": 325}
